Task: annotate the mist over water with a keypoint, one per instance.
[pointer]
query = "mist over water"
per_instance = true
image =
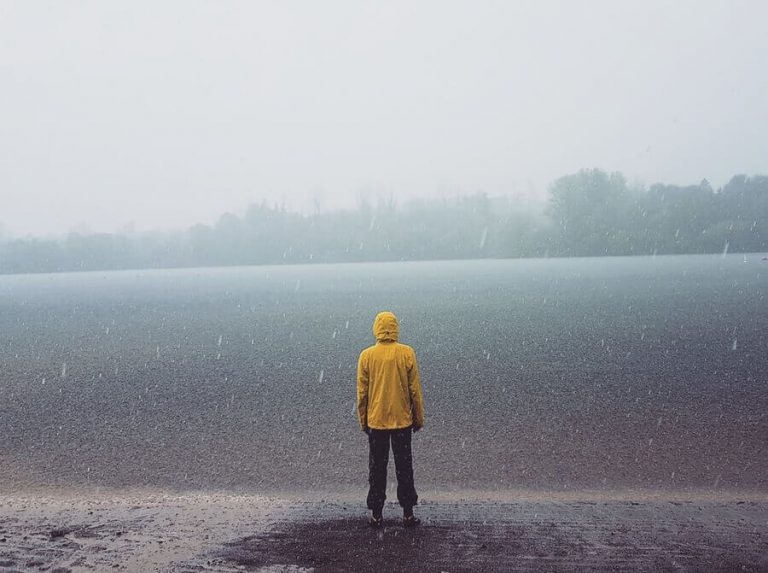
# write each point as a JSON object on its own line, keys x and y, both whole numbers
{"x": 643, "y": 372}
{"x": 589, "y": 213}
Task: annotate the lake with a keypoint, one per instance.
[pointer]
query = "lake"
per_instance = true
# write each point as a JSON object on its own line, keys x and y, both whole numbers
{"x": 595, "y": 373}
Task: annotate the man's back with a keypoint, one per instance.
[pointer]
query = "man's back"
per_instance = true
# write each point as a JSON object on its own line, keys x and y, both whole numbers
{"x": 388, "y": 385}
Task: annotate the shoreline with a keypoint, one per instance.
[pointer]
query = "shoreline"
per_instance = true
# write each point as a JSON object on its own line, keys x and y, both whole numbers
{"x": 82, "y": 494}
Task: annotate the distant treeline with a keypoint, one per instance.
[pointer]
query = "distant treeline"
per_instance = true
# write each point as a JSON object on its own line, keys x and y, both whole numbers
{"x": 589, "y": 213}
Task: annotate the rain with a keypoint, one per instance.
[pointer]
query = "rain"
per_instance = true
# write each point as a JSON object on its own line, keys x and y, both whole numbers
{"x": 204, "y": 206}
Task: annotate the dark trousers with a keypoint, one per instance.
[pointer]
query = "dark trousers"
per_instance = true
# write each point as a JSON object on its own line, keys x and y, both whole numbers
{"x": 378, "y": 458}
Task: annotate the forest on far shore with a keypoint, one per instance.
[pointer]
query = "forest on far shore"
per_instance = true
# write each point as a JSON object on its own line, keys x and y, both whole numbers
{"x": 589, "y": 213}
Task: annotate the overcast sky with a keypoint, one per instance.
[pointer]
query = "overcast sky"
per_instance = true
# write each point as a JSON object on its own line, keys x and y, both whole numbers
{"x": 163, "y": 114}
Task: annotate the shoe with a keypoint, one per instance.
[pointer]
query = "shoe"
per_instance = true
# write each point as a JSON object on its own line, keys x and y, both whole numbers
{"x": 375, "y": 521}
{"x": 410, "y": 521}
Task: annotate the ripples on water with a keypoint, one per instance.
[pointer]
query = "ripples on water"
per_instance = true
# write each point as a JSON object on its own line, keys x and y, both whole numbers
{"x": 643, "y": 371}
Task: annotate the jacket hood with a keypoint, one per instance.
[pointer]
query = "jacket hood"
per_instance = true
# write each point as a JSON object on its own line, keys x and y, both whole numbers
{"x": 385, "y": 327}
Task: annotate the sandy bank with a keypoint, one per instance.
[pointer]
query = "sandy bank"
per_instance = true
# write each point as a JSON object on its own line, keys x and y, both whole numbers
{"x": 462, "y": 531}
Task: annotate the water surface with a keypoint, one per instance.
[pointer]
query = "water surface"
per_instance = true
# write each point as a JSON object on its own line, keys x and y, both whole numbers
{"x": 549, "y": 373}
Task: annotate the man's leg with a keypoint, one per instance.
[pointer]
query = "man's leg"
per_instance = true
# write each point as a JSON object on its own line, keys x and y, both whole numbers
{"x": 378, "y": 457}
{"x": 406, "y": 492}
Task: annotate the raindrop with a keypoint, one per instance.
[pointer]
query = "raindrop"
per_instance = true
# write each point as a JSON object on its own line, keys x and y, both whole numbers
{"x": 483, "y": 237}
{"x": 64, "y": 370}
{"x": 725, "y": 249}
{"x": 320, "y": 378}
{"x": 733, "y": 346}
{"x": 220, "y": 339}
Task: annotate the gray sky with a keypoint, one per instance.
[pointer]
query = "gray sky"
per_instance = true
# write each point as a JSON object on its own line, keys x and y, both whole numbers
{"x": 169, "y": 113}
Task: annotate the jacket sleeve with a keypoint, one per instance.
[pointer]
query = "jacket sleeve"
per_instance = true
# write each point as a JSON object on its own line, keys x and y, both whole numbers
{"x": 362, "y": 390}
{"x": 414, "y": 388}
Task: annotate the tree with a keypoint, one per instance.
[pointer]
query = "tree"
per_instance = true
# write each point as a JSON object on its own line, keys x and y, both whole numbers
{"x": 589, "y": 209}
{"x": 677, "y": 218}
{"x": 743, "y": 206}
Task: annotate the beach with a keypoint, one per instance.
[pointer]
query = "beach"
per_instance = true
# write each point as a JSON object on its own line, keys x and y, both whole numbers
{"x": 145, "y": 531}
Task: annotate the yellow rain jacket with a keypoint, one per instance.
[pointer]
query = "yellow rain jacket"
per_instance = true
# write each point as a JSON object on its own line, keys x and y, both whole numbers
{"x": 388, "y": 386}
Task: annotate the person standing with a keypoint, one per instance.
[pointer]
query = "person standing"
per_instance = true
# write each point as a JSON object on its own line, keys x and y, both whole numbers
{"x": 390, "y": 407}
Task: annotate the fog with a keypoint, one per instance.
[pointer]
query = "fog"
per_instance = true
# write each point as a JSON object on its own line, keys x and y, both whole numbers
{"x": 588, "y": 213}
{"x": 141, "y": 116}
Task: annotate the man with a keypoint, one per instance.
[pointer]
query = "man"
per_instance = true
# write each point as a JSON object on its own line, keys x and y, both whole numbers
{"x": 389, "y": 407}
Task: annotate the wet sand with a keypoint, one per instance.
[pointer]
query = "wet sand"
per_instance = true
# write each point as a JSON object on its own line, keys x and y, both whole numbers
{"x": 145, "y": 531}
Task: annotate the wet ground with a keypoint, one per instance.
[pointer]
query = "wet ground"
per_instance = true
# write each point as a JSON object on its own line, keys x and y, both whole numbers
{"x": 222, "y": 533}
{"x": 593, "y": 536}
